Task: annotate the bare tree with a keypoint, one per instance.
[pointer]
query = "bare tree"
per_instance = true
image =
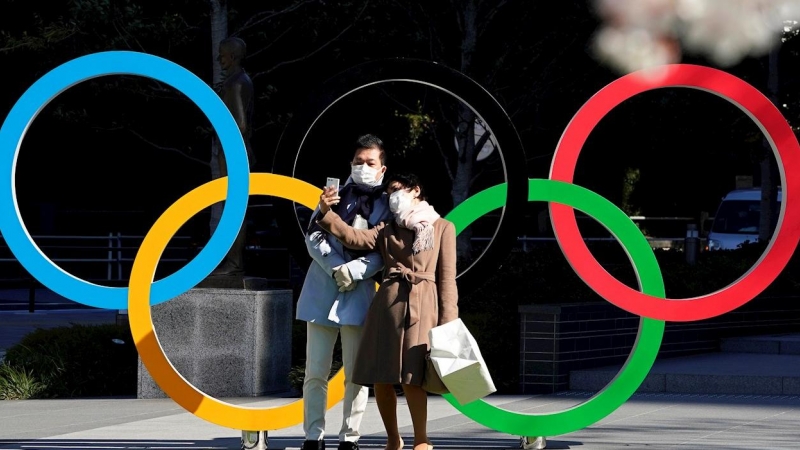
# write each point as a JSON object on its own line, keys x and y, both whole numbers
{"x": 480, "y": 39}
{"x": 219, "y": 31}
{"x": 472, "y": 18}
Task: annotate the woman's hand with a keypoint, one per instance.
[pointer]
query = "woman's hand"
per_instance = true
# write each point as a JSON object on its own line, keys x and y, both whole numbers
{"x": 330, "y": 196}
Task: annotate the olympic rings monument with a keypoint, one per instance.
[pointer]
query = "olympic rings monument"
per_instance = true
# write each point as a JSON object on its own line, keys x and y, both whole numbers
{"x": 563, "y": 197}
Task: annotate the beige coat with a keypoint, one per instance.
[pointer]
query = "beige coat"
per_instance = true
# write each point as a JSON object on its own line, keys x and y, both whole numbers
{"x": 418, "y": 292}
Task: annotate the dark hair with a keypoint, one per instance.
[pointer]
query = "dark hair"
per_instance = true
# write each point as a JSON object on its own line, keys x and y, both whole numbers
{"x": 370, "y": 141}
{"x": 236, "y": 45}
{"x": 408, "y": 181}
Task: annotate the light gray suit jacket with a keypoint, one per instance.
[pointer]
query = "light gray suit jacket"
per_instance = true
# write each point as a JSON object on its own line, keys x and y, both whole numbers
{"x": 320, "y": 301}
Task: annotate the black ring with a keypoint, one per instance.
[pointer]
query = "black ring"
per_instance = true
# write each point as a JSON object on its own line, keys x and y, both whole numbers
{"x": 484, "y": 105}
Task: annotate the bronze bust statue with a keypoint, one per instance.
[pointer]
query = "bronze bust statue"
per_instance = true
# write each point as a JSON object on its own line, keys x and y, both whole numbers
{"x": 237, "y": 93}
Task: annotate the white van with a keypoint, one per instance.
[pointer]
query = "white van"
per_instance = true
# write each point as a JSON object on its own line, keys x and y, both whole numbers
{"x": 737, "y": 219}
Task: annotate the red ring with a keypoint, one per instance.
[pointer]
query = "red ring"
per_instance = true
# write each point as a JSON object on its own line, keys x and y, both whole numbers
{"x": 783, "y": 143}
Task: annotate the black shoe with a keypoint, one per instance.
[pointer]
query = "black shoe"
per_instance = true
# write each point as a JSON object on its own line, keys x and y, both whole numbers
{"x": 314, "y": 445}
{"x": 348, "y": 445}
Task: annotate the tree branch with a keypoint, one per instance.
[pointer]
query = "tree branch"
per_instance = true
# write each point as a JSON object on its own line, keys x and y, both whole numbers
{"x": 444, "y": 155}
{"x": 408, "y": 12}
{"x": 149, "y": 88}
{"x": 519, "y": 102}
{"x": 261, "y": 50}
{"x": 412, "y": 17}
{"x": 535, "y": 158}
{"x": 265, "y": 125}
{"x": 482, "y": 141}
{"x": 29, "y": 41}
{"x": 121, "y": 34}
{"x": 398, "y": 102}
{"x": 558, "y": 56}
{"x": 499, "y": 63}
{"x": 489, "y": 16}
{"x": 14, "y": 47}
{"x": 458, "y": 10}
{"x": 263, "y": 16}
{"x": 317, "y": 50}
{"x": 170, "y": 149}
{"x": 453, "y": 127}
{"x": 476, "y": 176}
{"x": 431, "y": 35}
{"x": 122, "y": 31}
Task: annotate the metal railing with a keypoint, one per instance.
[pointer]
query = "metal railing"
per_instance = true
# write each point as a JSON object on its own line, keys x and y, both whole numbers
{"x": 655, "y": 243}
{"x": 118, "y": 250}
{"x": 114, "y": 247}
{"x": 663, "y": 243}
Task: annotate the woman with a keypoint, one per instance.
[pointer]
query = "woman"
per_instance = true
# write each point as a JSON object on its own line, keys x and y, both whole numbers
{"x": 418, "y": 292}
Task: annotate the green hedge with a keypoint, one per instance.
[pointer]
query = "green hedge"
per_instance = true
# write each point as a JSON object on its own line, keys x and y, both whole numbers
{"x": 18, "y": 384}
{"x": 78, "y": 361}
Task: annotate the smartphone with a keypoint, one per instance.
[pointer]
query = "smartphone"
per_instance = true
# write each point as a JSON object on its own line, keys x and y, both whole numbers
{"x": 332, "y": 182}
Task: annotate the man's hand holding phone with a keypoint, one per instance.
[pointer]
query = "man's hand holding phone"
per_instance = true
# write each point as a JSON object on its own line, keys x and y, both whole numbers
{"x": 330, "y": 195}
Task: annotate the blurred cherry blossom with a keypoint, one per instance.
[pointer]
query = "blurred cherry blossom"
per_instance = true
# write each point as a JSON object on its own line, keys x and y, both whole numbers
{"x": 639, "y": 34}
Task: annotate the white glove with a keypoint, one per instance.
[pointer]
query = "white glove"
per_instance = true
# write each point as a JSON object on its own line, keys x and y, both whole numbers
{"x": 349, "y": 287}
{"x": 343, "y": 278}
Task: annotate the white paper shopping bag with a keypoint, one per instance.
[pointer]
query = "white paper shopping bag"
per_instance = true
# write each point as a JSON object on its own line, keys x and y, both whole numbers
{"x": 458, "y": 360}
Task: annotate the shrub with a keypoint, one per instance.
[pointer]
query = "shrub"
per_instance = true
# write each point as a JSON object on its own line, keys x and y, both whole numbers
{"x": 18, "y": 384}
{"x": 79, "y": 361}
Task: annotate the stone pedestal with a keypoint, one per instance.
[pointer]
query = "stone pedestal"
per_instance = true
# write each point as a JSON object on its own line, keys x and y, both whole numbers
{"x": 225, "y": 342}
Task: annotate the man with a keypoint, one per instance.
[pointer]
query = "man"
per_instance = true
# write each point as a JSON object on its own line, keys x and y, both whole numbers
{"x": 336, "y": 294}
{"x": 237, "y": 94}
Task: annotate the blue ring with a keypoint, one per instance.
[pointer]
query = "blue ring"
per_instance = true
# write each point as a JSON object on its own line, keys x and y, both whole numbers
{"x": 115, "y": 63}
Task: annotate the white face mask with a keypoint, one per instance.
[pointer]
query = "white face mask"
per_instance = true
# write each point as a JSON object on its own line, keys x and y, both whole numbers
{"x": 364, "y": 174}
{"x": 400, "y": 201}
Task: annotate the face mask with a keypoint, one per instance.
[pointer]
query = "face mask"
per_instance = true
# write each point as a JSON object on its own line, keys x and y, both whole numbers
{"x": 400, "y": 201}
{"x": 364, "y": 174}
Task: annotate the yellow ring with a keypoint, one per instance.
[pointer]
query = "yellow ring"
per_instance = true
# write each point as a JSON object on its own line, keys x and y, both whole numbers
{"x": 141, "y": 321}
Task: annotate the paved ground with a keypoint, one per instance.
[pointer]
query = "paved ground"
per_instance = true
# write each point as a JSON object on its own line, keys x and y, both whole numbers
{"x": 647, "y": 421}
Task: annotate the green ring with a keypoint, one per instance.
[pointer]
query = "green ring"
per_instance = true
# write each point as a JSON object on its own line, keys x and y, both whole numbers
{"x": 648, "y": 340}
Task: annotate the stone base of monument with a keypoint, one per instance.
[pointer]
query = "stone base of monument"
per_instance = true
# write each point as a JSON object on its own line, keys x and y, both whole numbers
{"x": 225, "y": 342}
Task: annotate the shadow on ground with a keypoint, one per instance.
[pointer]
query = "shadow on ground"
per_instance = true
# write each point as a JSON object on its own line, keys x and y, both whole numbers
{"x": 277, "y": 443}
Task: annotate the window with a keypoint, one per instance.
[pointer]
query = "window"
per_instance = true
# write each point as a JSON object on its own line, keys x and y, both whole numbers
{"x": 738, "y": 217}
